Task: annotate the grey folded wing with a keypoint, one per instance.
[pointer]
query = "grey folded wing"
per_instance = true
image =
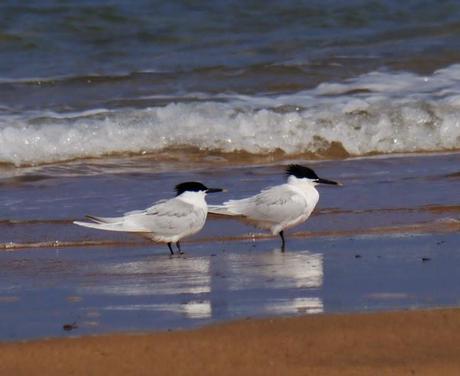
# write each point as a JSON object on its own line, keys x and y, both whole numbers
{"x": 276, "y": 205}
{"x": 168, "y": 218}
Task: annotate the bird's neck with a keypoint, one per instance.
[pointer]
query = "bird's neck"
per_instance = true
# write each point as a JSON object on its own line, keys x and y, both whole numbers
{"x": 194, "y": 198}
{"x": 305, "y": 186}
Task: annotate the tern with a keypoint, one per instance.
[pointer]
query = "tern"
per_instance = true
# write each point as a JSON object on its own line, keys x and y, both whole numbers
{"x": 280, "y": 207}
{"x": 167, "y": 221}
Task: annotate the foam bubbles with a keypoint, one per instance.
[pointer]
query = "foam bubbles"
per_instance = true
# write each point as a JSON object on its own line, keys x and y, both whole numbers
{"x": 374, "y": 113}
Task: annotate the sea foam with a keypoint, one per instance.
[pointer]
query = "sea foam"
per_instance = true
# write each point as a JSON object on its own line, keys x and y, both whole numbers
{"x": 379, "y": 112}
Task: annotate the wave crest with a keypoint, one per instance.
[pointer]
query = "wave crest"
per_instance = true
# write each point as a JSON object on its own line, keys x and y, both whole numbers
{"x": 374, "y": 113}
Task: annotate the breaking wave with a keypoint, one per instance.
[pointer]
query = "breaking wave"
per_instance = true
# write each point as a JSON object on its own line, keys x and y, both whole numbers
{"x": 379, "y": 112}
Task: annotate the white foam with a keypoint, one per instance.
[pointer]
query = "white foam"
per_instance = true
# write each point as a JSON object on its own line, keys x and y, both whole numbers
{"x": 375, "y": 113}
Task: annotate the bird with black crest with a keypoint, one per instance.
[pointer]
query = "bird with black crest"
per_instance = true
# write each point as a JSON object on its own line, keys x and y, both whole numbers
{"x": 167, "y": 221}
{"x": 280, "y": 207}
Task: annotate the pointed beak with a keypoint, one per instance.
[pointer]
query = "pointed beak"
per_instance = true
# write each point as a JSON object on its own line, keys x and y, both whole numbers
{"x": 330, "y": 182}
{"x": 213, "y": 190}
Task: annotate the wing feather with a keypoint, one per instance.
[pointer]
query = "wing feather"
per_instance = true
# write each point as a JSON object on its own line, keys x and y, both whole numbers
{"x": 276, "y": 205}
{"x": 164, "y": 220}
{"x": 168, "y": 218}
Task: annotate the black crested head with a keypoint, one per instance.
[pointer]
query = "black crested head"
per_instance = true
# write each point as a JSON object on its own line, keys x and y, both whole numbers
{"x": 301, "y": 172}
{"x": 304, "y": 172}
{"x": 190, "y": 186}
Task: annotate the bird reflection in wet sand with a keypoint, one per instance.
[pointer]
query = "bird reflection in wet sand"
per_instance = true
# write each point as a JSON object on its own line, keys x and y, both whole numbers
{"x": 280, "y": 207}
{"x": 167, "y": 221}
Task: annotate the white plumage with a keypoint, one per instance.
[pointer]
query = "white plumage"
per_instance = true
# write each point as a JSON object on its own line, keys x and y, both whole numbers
{"x": 167, "y": 221}
{"x": 280, "y": 207}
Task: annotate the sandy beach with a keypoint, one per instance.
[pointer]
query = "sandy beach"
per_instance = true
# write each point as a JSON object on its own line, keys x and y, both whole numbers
{"x": 106, "y": 106}
{"x": 396, "y": 343}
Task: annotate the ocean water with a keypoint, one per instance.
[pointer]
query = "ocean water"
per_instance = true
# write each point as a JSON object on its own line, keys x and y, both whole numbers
{"x": 106, "y": 105}
{"x": 316, "y": 79}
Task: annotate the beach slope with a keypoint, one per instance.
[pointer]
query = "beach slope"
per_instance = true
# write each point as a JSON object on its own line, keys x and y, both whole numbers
{"x": 394, "y": 343}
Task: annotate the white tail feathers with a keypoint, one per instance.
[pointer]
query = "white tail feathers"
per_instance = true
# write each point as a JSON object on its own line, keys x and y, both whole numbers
{"x": 103, "y": 226}
{"x": 220, "y": 210}
{"x": 104, "y": 219}
{"x": 111, "y": 224}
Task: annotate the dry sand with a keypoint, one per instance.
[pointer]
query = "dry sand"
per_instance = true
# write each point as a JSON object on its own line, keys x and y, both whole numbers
{"x": 396, "y": 343}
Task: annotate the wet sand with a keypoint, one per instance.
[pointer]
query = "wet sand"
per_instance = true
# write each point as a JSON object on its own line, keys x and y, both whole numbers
{"x": 137, "y": 288}
{"x": 38, "y": 205}
{"x": 387, "y": 240}
{"x": 396, "y": 343}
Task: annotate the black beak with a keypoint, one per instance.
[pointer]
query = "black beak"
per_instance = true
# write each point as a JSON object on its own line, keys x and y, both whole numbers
{"x": 325, "y": 181}
{"x": 213, "y": 190}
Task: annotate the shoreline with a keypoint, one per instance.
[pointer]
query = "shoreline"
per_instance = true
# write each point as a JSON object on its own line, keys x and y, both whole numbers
{"x": 387, "y": 239}
{"x": 400, "y": 342}
{"x": 173, "y": 160}
{"x": 445, "y": 225}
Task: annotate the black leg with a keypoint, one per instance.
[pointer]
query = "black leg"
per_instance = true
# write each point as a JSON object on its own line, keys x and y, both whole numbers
{"x": 283, "y": 243}
{"x": 170, "y": 248}
{"x": 178, "y": 247}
